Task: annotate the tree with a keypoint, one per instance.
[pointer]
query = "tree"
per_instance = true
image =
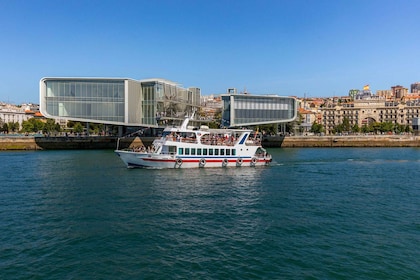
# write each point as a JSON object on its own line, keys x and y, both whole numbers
{"x": 366, "y": 129}
{"x": 95, "y": 128}
{"x": 387, "y": 127}
{"x": 268, "y": 128}
{"x": 13, "y": 126}
{"x": 70, "y": 124}
{"x": 217, "y": 120}
{"x": 50, "y": 126}
{"x": 346, "y": 124}
{"x": 376, "y": 127}
{"x": 32, "y": 125}
{"x": 338, "y": 128}
{"x": 78, "y": 127}
{"x": 5, "y": 128}
{"x": 27, "y": 126}
{"x": 317, "y": 128}
{"x": 355, "y": 128}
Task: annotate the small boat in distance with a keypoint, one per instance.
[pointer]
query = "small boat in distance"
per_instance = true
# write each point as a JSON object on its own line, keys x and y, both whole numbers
{"x": 191, "y": 147}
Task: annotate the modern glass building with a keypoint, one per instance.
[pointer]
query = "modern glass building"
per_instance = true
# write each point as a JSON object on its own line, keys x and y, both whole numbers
{"x": 245, "y": 110}
{"x": 118, "y": 101}
{"x": 151, "y": 103}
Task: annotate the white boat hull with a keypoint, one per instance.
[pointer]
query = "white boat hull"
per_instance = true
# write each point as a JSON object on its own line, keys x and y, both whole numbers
{"x": 150, "y": 160}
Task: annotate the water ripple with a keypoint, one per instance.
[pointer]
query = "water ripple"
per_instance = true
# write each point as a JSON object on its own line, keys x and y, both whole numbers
{"x": 314, "y": 214}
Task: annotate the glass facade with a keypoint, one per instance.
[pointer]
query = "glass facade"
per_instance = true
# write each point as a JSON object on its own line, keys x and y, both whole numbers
{"x": 174, "y": 102}
{"x": 149, "y": 91}
{"x": 101, "y": 100}
{"x": 240, "y": 110}
{"x": 154, "y": 102}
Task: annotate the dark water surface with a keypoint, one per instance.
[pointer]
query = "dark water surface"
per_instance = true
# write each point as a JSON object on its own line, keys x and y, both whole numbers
{"x": 314, "y": 214}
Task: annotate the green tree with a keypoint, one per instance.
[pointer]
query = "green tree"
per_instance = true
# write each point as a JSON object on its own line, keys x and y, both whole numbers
{"x": 317, "y": 128}
{"x": 5, "y": 127}
{"x": 338, "y": 129}
{"x": 268, "y": 128}
{"x": 346, "y": 124}
{"x": 13, "y": 126}
{"x": 50, "y": 126}
{"x": 217, "y": 120}
{"x": 386, "y": 127}
{"x": 70, "y": 124}
{"x": 355, "y": 128}
{"x": 366, "y": 129}
{"x": 375, "y": 127}
{"x": 78, "y": 127}
{"x": 27, "y": 126}
{"x": 32, "y": 125}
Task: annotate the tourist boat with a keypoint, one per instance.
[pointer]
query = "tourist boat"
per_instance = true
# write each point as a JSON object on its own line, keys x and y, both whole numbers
{"x": 191, "y": 147}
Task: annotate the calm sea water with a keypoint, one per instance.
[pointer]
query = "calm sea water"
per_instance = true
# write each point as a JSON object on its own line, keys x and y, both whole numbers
{"x": 314, "y": 214}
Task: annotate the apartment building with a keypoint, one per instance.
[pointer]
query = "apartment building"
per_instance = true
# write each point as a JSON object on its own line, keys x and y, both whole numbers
{"x": 395, "y": 105}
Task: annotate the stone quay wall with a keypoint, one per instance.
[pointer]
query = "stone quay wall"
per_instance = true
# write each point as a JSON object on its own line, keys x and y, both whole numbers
{"x": 64, "y": 143}
{"x": 100, "y": 142}
{"x": 352, "y": 141}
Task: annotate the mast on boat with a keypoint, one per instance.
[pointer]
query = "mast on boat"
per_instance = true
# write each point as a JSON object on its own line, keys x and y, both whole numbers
{"x": 186, "y": 121}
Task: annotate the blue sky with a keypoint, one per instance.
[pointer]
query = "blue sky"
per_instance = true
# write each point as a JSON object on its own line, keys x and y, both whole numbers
{"x": 315, "y": 48}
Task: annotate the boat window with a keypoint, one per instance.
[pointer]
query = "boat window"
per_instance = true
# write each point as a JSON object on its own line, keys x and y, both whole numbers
{"x": 210, "y": 152}
{"x": 187, "y": 151}
{"x": 216, "y": 152}
{"x": 222, "y": 152}
{"x": 233, "y": 152}
{"x": 228, "y": 152}
{"x": 199, "y": 151}
{"x": 165, "y": 133}
{"x": 193, "y": 151}
{"x": 180, "y": 151}
{"x": 204, "y": 152}
{"x": 172, "y": 149}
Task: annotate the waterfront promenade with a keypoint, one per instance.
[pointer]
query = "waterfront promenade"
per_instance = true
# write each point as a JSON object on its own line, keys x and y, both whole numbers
{"x": 109, "y": 142}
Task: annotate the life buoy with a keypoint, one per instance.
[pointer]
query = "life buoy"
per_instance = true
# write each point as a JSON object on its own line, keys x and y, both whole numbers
{"x": 239, "y": 162}
{"x": 178, "y": 162}
{"x": 202, "y": 162}
{"x": 253, "y": 161}
{"x": 225, "y": 162}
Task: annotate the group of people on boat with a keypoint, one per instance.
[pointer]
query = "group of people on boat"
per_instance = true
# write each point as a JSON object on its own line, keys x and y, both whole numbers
{"x": 182, "y": 137}
{"x": 143, "y": 149}
{"x": 209, "y": 139}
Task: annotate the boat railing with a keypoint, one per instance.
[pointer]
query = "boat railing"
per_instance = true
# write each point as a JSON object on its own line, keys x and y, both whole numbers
{"x": 181, "y": 139}
{"x": 141, "y": 149}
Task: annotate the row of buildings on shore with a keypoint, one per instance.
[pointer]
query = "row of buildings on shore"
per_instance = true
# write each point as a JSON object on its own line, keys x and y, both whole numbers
{"x": 11, "y": 113}
{"x": 396, "y": 105}
{"x": 159, "y": 102}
